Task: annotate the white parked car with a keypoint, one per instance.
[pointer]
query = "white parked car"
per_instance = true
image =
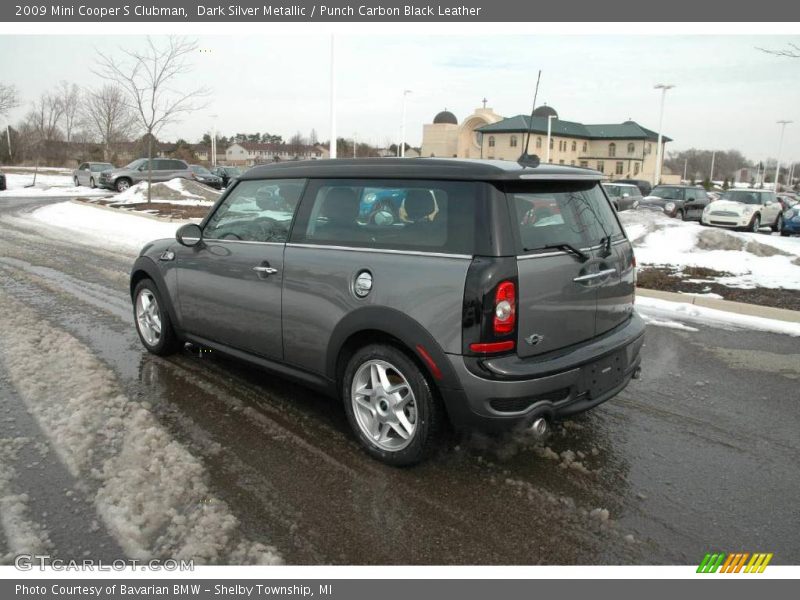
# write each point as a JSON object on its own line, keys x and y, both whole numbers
{"x": 745, "y": 209}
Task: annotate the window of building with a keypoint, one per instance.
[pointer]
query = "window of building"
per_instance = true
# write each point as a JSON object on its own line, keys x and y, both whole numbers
{"x": 619, "y": 167}
{"x": 551, "y": 143}
{"x": 513, "y": 141}
{"x": 612, "y": 149}
{"x": 601, "y": 166}
{"x": 649, "y": 148}
{"x": 538, "y": 142}
{"x": 585, "y": 146}
{"x": 574, "y": 145}
{"x": 635, "y": 168}
{"x": 572, "y": 162}
{"x": 631, "y": 148}
{"x": 491, "y": 141}
{"x": 585, "y": 164}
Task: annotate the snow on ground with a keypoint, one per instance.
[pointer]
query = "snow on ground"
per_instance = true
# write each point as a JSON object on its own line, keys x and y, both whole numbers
{"x": 151, "y": 492}
{"x": 664, "y": 313}
{"x": 47, "y": 185}
{"x": 174, "y": 191}
{"x": 117, "y": 229}
{"x": 753, "y": 259}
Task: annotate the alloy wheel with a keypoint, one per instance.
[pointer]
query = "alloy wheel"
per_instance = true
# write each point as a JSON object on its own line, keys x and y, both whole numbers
{"x": 148, "y": 317}
{"x": 384, "y": 405}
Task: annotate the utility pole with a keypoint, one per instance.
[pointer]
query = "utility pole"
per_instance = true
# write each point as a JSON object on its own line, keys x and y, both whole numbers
{"x": 685, "y": 166}
{"x": 403, "y": 126}
{"x": 332, "y": 146}
{"x": 713, "y": 156}
{"x": 663, "y": 87}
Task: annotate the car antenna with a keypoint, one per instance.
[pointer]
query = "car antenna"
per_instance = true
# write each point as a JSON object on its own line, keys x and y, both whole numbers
{"x": 525, "y": 159}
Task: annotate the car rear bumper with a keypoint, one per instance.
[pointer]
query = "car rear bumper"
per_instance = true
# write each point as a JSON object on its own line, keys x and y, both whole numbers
{"x": 512, "y": 392}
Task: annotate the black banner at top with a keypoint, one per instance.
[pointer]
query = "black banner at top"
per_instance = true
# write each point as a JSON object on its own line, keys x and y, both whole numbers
{"x": 399, "y": 10}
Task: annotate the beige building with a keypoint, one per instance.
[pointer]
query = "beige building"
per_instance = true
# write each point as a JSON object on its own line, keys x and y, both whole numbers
{"x": 620, "y": 151}
{"x": 252, "y": 153}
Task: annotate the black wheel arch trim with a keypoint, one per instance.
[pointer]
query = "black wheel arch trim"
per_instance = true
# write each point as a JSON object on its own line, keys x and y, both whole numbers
{"x": 145, "y": 264}
{"x": 396, "y": 324}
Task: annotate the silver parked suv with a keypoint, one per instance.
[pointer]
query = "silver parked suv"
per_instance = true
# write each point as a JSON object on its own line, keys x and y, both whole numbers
{"x": 164, "y": 169}
{"x": 495, "y": 295}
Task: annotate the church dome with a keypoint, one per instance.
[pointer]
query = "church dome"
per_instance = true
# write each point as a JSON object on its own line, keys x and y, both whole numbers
{"x": 545, "y": 111}
{"x": 445, "y": 117}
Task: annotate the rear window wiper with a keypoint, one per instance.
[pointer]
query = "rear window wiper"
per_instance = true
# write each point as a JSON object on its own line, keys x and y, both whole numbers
{"x": 582, "y": 256}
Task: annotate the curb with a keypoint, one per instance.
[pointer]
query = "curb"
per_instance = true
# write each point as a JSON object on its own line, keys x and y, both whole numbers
{"x": 742, "y": 308}
{"x": 135, "y": 213}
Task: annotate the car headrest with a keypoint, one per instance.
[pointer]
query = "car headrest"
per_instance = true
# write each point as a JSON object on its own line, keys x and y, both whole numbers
{"x": 419, "y": 204}
{"x": 341, "y": 206}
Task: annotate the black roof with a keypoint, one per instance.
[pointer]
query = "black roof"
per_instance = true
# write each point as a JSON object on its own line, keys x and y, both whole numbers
{"x": 418, "y": 168}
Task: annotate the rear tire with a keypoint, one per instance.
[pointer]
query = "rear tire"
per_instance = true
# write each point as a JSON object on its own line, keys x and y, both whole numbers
{"x": 390, "y": 405}
{"x": 75, "y": 181}
{"x": 152, "y": 320}
{"x": 778, "y": 225}
{"x": 91, "y": 183}
{"x": 681, "y": 215}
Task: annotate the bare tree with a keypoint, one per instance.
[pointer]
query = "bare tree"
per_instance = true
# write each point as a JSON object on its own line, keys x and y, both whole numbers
{"x": 107, "y": 115}
{"x": 313, "y": 138}
{"x": 69, "y": 94}
{"x": 8, "y": 98}
{"x": 150, "y": 78}
{"x": 790, "y": 51}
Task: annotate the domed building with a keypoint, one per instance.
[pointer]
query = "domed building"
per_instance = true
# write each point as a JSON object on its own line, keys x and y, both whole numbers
{"x": 624, "y": 150}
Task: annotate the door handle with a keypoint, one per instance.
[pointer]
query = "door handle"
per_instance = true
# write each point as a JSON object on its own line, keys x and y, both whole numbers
{"x": 265, "y": 270}
{"x": 590, "y": 276}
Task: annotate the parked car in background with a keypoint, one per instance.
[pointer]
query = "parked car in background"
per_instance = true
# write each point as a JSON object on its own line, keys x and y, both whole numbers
{"x": 2, "y": 181}
{"x": 206, "y": 177}
{"x": 745, "y": 209}
{"x": 89, "y": 172}
{"x": 468, "y": 310}
{"x": 644, "y": 186}
{"x": 164, "y": 169}
{"x": 787, "y": 199}
{"x": 790, "y": 221}
{"x": 624, "y": 196}
{"x": 227, "y": 174}
{"x": 685, "y": 202}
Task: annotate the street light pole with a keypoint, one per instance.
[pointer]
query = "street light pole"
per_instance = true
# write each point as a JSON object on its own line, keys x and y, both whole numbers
{"x": 332, "y": 144}
{"x": 403, "y": 126}
{"x": 549, "y": 131}
{"x": 214, "y": 140}
{"x": 663, "y": 87}
{"x": 713, "y": 156}
{"x": 685, "y": 166}
{"x": 783, "y": 125}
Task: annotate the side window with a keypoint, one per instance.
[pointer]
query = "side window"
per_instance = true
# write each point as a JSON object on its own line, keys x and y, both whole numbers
{"x": 160, "y": 164}
{"x": 83, "y": 167}
{"x": 178, "y": 165}
{"x": 436, "y": 216}
{"x": 256, "y": 211}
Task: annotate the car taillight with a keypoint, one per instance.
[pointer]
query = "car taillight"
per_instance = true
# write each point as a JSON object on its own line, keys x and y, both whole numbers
{"x": 505, "y": 308}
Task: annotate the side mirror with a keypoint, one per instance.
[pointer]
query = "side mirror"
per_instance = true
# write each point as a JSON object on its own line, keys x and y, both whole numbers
{"x": 626, "y": 195}
{"x": 189, "y": 235}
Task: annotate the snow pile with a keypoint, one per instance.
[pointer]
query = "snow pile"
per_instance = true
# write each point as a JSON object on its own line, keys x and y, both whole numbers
{"x": 663, "y": 312}
{"x": 174, "y": 191}
{"x": 46, "y": 185}
{"x": 125, "y": 230}
{"x": 754, "y": 260}
{"x": 150, "y": 491}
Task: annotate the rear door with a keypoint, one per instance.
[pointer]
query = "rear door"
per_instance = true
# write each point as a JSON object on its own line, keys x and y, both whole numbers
{"x": 230, "y": 285}
{"x": 557, "y": 269}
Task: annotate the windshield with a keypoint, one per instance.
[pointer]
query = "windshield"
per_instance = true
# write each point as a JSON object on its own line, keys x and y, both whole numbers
{"x": 742, "y": 196}
{"x": 136, "y": 164}
{"x": 200, "y": 169}
{"x": 232, "y": 171}
{"x": 668, "y": 193}
{"x": 97, "y": 167}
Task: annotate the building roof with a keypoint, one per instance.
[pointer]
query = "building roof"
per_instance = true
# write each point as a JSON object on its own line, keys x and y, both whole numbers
{"x": 420, "y": 168}
{"x": 284, "y": 147}
{"x": 612, "y": 131}
{"x": 544, "y": 111}
{"x": 445, "y": 117}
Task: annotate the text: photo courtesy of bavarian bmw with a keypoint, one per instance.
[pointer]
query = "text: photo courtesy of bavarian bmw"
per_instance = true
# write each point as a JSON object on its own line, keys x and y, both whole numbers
{"x": 498, "y": 295}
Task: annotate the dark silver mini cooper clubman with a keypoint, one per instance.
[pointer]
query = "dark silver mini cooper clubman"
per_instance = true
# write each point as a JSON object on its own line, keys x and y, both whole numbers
{"x": 486, "y": 293}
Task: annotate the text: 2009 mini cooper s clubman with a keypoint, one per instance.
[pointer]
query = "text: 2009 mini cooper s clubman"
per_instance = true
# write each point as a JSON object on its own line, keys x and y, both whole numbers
{"x": 496, "y": 296}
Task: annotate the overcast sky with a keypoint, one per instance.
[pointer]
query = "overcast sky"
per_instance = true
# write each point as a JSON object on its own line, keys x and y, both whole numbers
{"x": 728, "y": 94}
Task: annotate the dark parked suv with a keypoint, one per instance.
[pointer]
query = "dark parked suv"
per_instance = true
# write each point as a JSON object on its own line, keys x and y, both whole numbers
{"x": 502, "y": 298}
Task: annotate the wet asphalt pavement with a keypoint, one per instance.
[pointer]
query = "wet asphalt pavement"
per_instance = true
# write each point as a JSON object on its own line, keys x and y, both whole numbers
{"x": 700, "y": 454}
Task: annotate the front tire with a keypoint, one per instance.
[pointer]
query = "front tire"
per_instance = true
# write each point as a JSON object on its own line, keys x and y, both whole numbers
{"x": 91, "y": 183}
{"x": 152, "y": 320}
{"x": 122, "y": 184}
{"x": 778, "y": 226}
{"x": 390, "y": 405}
{"x": 755, "y": 224}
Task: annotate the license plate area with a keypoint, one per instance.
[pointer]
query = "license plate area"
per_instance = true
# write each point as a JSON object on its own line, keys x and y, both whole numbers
{"x": 604, "y": 375}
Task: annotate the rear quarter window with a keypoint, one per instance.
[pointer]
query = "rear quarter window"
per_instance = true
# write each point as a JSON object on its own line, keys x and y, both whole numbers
{"x": 427, "y": 216}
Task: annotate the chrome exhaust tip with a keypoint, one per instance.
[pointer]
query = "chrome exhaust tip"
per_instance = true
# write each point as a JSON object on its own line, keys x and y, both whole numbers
{"x": 540, "y": 427}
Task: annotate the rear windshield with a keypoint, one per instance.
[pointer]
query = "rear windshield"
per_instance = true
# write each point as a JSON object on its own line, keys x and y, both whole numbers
{"x": 547, "y": 214}
{"x": 429, "y": 216}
